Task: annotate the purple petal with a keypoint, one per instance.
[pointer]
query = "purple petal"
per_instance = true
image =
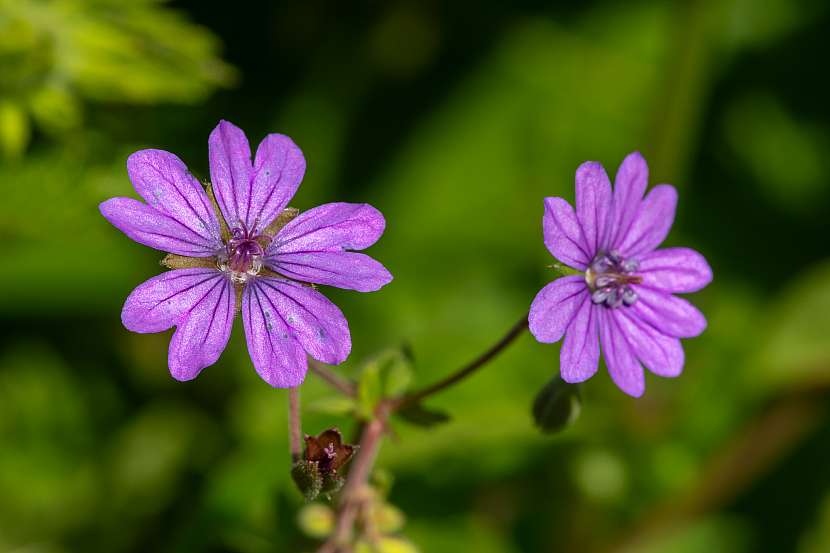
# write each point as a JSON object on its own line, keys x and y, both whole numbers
{"x": 554, "y": 306}
{"x": 563, "y": 235}
{"x": 231, "y": 171}
{"x": 668, "y": 314}
{"x": 652, "y": 223}
{"x": 313, "y": 247}
{"x": 676, "y": 270}
{"x": 164, "y": 182}
{"x": 160, "y": 302}
{"x": 279, "y": 167}
{"x": 593, "y": 203}
{"x": 661, "y": 354}
{"x": 200, "y": 302}
{"x": 625, "y": 370}
{"x": 331, "y": 227}
{"x": 282, "y": 319}
{"x": 629, "y": 187}
{"x": 278, "y": 357}
{"x": 579, "y": 356}
{"x": 349, "y": 270}
{"x": 146, "y": 225}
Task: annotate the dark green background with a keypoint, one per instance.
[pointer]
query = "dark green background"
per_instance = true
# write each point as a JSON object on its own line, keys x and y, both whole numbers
{"x": 454, "y": 119}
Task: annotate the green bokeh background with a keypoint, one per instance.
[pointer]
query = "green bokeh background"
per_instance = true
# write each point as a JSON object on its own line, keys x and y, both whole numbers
{"x": 455, "y": 120}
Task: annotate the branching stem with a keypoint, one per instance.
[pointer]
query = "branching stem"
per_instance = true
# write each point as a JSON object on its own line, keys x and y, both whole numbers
{"x": 354, "y": 491}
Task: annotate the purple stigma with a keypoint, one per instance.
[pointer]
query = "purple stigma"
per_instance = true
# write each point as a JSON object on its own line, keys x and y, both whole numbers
{"x": 242, "y": 256}
{"x": 609, "y": 277}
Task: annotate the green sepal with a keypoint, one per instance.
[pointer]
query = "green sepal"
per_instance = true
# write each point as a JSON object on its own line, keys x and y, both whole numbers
{"x": 556, "y": 405}
{"x": 307, "y": 477}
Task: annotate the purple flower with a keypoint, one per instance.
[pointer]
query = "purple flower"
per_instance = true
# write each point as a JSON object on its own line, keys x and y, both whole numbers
{"x": 237, "y": 248}
{"x": 624, "y": 300}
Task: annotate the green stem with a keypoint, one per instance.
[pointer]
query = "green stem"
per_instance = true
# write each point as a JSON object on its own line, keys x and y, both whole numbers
{"x": 465, "y": 371}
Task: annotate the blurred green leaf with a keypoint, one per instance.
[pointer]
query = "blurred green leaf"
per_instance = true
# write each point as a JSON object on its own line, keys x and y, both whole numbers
{"x": 387, "y": 518}
{"x": 796, "y": 350}
{"x": 54, "y": 53}
{"x": 332, "y": 405}
{"x": 369, "y": 390}
{"x": 762, "y": 132}
{"x": 387, "y": 374}
{"x": 49, "y": 479}
{"x": 14, "y": 129}
{"x": 419, "y": 415}
{"x": 316, "y": 520}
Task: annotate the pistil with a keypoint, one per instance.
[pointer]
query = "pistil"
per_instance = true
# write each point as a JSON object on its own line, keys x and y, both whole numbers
{"x": 609, "y": 277}
{"x": 242, "y": 256}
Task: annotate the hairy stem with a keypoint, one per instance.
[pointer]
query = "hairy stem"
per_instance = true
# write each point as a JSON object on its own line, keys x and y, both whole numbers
{"x": 294, "y": 427}
{"x": 353, "y": 493}
{"x": 465, "y": 371}
{"x": 331, "y": 378}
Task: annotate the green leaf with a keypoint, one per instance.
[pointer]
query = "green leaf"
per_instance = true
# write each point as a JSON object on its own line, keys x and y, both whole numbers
{"x": 387, "y": 374}
{"x": 333, "y": 405}
{"x": 795, "y": 349}
{"x": 418, "y": 415}
{"x": 368, "y": 390}
{"x": 387, "y": 518}
{"x": 14, "y": 129}
{"x": 397, "y": 374}
{"x": 556, "y": 405}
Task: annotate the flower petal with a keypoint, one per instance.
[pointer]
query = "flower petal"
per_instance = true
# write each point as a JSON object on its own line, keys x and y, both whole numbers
{"x": 554, "y": 306}
{"x": 283, "y": 320}
{"x": 200, "y": 302}
{"x": 663, "y": 355}
{"x": 625, "y": 370}
{"x": 668, "y": 314}
{"x": 349, "y": 270}
{"x": 278, "y": 357}
{"x": 279, "y": 167}
{"x": 146, "y": 225}
{"x": 629, "y": 186}
{"x": 162, "y": 301}
{"x": 652, "y": 223}
{"x": 579, "y": 356}
{"x": 332, "y": 227}
{"x": 313, "y": 247}
{"x": 563, "y": 234}
{"x": 164, "y": 182}
{"x": 231, "y": 171}
{"x": 201, "y": 337}
{"x": 593, "y": 203}
{"x": 676, "y": 270}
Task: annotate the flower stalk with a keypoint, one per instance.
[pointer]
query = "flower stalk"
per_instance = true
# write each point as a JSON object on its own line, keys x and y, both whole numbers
{"x": 294, "y": 425}
{"x": 354, "y": 490}
{"x": 410, "y": 399}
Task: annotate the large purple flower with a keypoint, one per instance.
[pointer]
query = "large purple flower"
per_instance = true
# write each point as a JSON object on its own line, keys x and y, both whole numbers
{"x": 624, "y": 299}
{"x": 237, "y": 247}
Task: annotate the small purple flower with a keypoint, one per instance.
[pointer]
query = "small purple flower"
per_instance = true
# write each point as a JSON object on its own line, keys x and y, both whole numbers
{"x": 237, "y": 247}
{"x": 624, "y": 298}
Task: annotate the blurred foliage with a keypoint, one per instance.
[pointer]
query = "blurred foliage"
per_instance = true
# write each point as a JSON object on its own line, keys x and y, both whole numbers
{"x": 54, "y": 54}
{"x": 455, "y": 122}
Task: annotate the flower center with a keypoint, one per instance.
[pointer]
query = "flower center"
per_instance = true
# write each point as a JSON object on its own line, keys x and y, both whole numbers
{"x": 609, "y": 277}
{"x": 242, "y": 256}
